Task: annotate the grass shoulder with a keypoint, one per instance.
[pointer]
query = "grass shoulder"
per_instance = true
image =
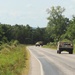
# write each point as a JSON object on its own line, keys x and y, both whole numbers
{"x": 25, "y": 70}
{"x": 14, "y": 59}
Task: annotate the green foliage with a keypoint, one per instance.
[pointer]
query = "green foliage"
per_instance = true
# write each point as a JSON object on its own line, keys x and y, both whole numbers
{"x": 70, "y": 33}
{"x": 66, "y": 40}
{"x": 16, "y": 42}
{"x": 12, "y": 60}
{"x": 24, "y": 34}
{"x": 52, "y": 45}
{"x": 57, "y": 24}
{"x": 38, "y": 34}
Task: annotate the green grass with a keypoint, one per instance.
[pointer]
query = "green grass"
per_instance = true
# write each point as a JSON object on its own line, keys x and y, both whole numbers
{"x": 13, "y": 59}
{"x": 51, "y": 45}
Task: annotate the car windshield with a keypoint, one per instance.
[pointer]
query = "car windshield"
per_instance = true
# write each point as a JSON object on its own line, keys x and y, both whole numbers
{"x": 67, "y": 44}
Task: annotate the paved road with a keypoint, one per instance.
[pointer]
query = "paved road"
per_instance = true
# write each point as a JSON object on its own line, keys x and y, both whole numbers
{"x": 53, "y": 63}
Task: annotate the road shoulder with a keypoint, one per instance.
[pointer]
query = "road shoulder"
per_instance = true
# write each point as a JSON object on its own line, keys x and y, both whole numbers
{"x": 35, "y": 65}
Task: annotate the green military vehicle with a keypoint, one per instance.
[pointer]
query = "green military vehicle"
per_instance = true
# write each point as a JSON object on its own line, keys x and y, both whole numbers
{"x": 39, "y": 43}
{"x": 65, "y": 46}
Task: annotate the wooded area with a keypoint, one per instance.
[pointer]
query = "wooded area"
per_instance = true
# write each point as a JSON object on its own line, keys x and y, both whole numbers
{"x": 24, "y": 34}
{"x": 59, "y": 27}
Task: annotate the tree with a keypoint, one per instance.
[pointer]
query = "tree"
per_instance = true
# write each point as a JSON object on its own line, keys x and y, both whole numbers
{"x": 57, "y": 24}
{"x": 70, "y": 33}
{"x": 1, "y": 32}
{"x": 37, "y": 34}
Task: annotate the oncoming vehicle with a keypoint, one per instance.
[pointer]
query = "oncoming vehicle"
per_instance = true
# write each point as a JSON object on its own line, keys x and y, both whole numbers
{"x": 37, "y": 44}
{"x": 65, "y": 46}
{"x": 40, "y": 43}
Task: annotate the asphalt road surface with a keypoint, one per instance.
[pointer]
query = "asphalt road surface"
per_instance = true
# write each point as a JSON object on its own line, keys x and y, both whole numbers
{"x": 53, "y": 63}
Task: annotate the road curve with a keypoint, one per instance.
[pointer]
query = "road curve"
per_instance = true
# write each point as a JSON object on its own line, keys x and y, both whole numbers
{"x": 53, "y": 63}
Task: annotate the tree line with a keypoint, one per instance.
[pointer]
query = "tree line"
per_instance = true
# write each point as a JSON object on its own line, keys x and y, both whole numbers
{"x": 24, "y": 34}
{"x": 59, "y": 27}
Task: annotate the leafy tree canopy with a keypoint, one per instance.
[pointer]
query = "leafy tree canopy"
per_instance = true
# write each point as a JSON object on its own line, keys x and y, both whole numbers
{"x": 57, "y": 24}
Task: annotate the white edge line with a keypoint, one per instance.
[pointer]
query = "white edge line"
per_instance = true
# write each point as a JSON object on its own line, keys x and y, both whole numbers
{"x": 42, "y": 72}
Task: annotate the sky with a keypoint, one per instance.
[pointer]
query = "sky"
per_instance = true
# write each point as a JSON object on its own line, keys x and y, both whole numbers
{"x": 32, "y": 12}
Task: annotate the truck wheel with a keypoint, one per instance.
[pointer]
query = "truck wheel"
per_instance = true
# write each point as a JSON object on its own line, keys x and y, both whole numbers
{"x": 58, "y": 51}
{"x": 70, "y": 52}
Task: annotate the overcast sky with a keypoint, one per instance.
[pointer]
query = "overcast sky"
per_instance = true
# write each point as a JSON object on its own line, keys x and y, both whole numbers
{"x": 32, "y": 12}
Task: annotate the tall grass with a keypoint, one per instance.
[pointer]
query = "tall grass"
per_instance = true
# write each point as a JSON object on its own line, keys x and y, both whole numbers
{"x": 13, "y": 59}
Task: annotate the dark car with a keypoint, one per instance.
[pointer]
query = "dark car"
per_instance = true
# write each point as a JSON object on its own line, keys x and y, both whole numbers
{"x": 65, "y": 46}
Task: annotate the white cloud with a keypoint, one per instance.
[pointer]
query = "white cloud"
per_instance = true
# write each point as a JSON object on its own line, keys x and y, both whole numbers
{"x": 28, "y": 5}
{"x": 73, "y": 0}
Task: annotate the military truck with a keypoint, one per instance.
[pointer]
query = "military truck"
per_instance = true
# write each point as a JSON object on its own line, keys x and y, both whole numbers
{"x": 39, "y": 43}
{"x": 65, "y": 46}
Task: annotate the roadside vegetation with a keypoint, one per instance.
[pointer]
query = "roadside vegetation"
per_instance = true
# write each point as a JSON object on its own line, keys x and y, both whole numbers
{"x": 51, "y": 45}
{"x": 13, "y": 59}
{"x": 13, "y": 54}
